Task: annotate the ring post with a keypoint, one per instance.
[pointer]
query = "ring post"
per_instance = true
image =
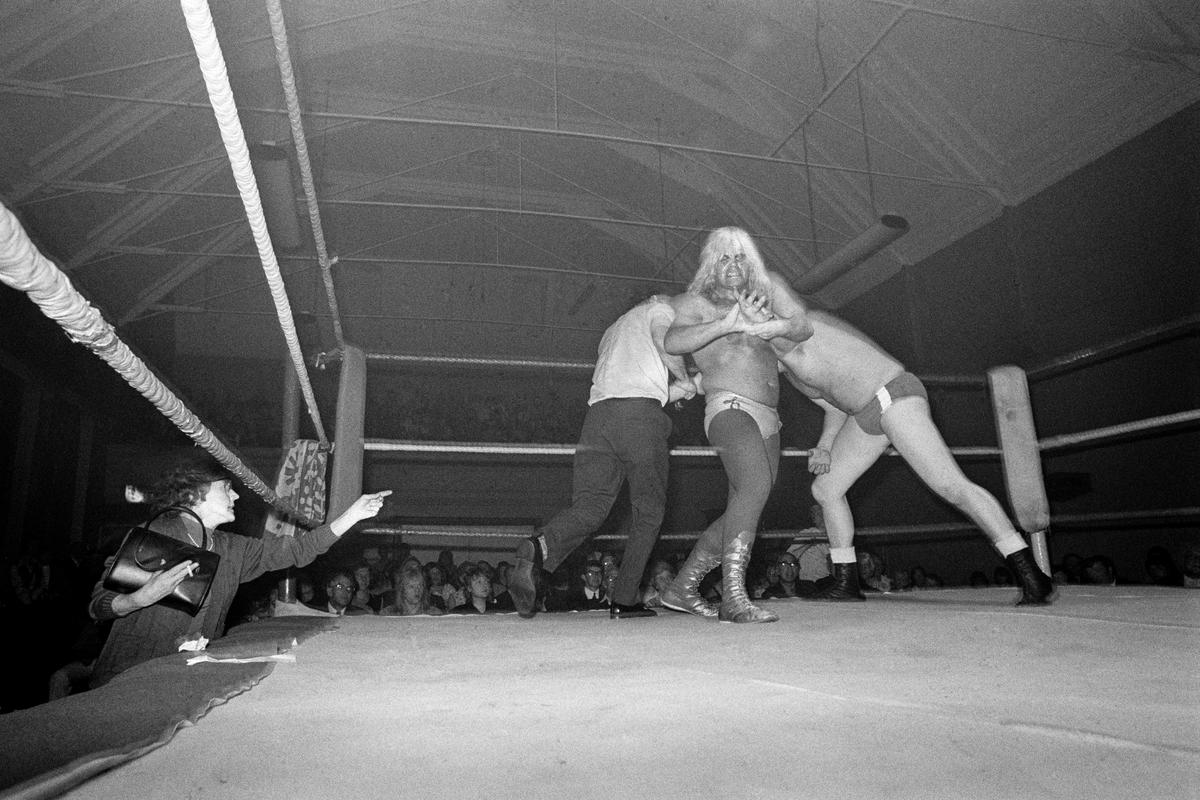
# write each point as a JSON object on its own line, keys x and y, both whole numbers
{"x": 347, "y": 479}
{"x": 1020, "y": 456}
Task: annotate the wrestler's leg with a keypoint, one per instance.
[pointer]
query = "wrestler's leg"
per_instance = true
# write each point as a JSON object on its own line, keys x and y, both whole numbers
{"x": 853, "y": 452}
{"x": 914, "y": 435}
{"x": 747, "y": 459}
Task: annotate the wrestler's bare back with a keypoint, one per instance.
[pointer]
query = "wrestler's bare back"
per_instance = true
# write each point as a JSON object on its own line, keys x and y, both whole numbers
{"x": 736, "y": 362}
{"x": 838, "y": 363}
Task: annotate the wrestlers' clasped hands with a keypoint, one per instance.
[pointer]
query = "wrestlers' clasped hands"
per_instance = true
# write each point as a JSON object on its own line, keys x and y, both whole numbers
{"x": 818, "y": 461}
{"x": 754, "y": 315}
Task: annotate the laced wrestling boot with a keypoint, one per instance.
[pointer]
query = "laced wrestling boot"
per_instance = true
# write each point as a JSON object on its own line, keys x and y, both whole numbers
{"x": 1036, "y": 587}
{"x": 735, "y": 603}
{"x": 684, "y": 592}
{"x": 845, "y": 587}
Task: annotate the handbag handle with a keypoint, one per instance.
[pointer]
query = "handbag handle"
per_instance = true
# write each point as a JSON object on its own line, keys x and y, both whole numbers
{"x": 182, "y": 510}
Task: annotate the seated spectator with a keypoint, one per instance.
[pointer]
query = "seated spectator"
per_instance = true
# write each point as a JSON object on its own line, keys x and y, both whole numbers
{"x": 305, "y": 590}
{"x": 588, "y": 592}
{"x": 788, "y": 567}
{"x": 978, "y": 579}
{"x": 900, "y": 581}
{"x": 1161, "y": 569}
{"x": 871, "y": 575}
{"x": 439, "y": 590}
{"x": 933, "y": 581}
{"x": 1191, "y": 567}
{"x": 411, "y": 595}
{"x": 766, "y": 582}
{"x": 1002, "y": 577}
{"x": 918, "y": 578}
{"x": 363, "y": 598}
{"x": 500, "y": 579}
{"x": 1100, "y": 571}
{"x": 661, "y": 575}
{"x": 814, "y": 561}
{"x": 340, "y": 590}
{"x": 1072, "y": 568}
{"x": 479, "y": 593}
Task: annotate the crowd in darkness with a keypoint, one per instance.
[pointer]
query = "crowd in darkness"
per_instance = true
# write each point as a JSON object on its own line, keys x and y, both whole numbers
{"x": 43, "y": 600}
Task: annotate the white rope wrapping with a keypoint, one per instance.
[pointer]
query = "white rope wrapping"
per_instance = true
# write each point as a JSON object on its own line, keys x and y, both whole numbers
{"x": 481, "y": 362}
{"x": 216, "y": 79}
{"x": 288, "y": 78}
{"x": 23, "y": 267}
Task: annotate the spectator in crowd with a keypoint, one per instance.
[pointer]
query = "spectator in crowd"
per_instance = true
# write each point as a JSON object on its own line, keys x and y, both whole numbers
{"x": 765, "y": 582}
{"x": 1070, "y": 570}
{"x": 363, "y": 600}
{"x": 478, "y": 585}
{"x": 918, "y": 578}
{"x": 661, "y": 575}
{"x": 814, "y": 561}
{"x": 1161, "y": 569}
{"x": 306, "y": 592}
{"x": 901, "y": 582}
{"x": 978, "y": 579}
{"x": 871, "y": 574}
{"x": 1191, "y": 567}
{"x": 1100, "y": 571}
{"x": 1002, "y": 577}
{"x": 411, "y": 594}
{"x": 142, "y": 627}
{"x": 500, "y": 579}
{"x": 340, "y": 590}
{"x": 439, "y": 590}
{"x": 588, "y": 593}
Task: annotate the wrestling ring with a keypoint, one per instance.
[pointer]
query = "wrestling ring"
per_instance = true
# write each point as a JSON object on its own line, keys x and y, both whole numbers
{"x": 944, "y": 694}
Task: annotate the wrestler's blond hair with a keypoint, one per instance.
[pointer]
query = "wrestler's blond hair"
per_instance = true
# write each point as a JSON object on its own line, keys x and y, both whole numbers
{"x": 720, "y": 242}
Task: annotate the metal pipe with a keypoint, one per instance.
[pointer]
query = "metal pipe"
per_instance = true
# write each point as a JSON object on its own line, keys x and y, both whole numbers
{"x": 888, "y": 229}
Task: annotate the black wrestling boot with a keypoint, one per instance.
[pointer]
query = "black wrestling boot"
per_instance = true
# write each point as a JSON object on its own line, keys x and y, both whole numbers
{"x": 1036, "y": 587}
{"x": 844, "y": 589}
{"x": 522, "y": 581}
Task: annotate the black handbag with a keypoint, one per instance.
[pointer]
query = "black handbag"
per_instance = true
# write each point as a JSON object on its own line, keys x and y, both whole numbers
{"x": 144, "y": 552}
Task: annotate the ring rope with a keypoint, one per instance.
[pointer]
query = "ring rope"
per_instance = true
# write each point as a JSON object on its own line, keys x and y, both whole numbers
{"x": 23, "y": 267}
{"x": 494, "y": 448}
{"x": 216, "y": 79}
{"x": 1116, "y": 431}
{"x": 288, "y": 79}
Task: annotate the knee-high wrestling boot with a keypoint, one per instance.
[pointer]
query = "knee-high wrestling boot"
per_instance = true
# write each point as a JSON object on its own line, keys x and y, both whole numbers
{"x": 1036, "y": 587}
{"x": 684, "y": 592}
{"x": 735, "y": 603}
{"x": 845, "y": 587}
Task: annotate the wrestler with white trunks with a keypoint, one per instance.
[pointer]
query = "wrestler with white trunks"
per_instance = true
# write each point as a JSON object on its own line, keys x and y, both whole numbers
{"x": 870, "y": 401}
{"x": 741, "y": 381}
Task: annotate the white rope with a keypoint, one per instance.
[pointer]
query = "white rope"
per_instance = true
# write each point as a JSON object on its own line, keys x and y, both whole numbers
{"x": 212, "y": 65}
{"x": 23, "y": 267}
{"x": 288, "y": 78}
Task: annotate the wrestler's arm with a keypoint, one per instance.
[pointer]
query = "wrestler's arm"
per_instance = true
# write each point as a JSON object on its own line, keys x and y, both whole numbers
{"x": 690, "y": 331}
{"x": 785, "y": 317}
{"x": 819, "y": 457}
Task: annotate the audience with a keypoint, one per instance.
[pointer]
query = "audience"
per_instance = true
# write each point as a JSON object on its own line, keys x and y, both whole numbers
{"x": 1191, "y": 567}
{"x": 588, "y": 592}
{"x": 1161, "y": 569}
{"x": 340, "y": 592}
{"x": 410, "y": 595}
{"x": 661, "y": 574}
{"x": 1100, "y": 571}
{"x": 478, "y": 584}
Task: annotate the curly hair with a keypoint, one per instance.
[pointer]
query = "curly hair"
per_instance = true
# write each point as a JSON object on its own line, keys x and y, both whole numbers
{"x": 719, "y": 243}
{"x": 185, "y": 484}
